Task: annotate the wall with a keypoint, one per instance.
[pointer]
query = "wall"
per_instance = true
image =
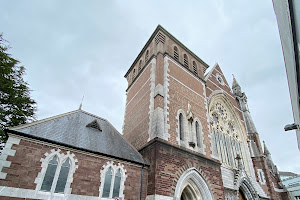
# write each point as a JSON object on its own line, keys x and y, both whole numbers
{"x": 26, "y": 165}
{"x": 167, "y": 163}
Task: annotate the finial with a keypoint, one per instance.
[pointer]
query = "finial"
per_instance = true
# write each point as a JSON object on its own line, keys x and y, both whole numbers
{"x": 81, "y": 102}
{"x": 266, "y": 150}
{"x": 234, "y": 83}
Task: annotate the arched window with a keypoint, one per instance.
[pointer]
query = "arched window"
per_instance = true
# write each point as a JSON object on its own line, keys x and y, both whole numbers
{"x": 185, "y": 60}
{"x": 198, "y": 134}
{"x": 176, "y": 55}
{"x": 181, "y": 130}
{"x": 226, "y": 134}
{"x": 195, "y": 68}
{"x": 133, "y": 74}
{"x": 140, "y": 66}
{"x": 147, "y": 56}
{"x": 57, "y": 172}
{"x": 50, "y": 174}
{"x": 117, "y": 182}
{"x": 63, "y": 176}
{"x": 112, "y": 181}
{"x": 107, "y": 183}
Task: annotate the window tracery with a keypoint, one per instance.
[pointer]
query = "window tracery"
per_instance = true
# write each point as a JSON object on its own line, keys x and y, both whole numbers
{"x": 189, "y": 131}
{"x": 226, "y": 134}
{"x": 112, "y": 181}
{"x": 57, "y": 172}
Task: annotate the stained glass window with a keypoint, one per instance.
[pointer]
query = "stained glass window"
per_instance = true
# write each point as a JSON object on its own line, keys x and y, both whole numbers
{"x": 107, "y": 183}
{"x": 50, "y": 173}
{"x": 63, "y": 176}
{"x": 116, "y": 190}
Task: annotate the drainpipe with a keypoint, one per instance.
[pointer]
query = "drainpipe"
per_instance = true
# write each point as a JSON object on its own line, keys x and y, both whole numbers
{"x": 142, "y": 182}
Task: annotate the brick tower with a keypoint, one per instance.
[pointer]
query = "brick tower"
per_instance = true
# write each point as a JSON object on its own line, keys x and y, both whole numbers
{"x": 189, "y": 126}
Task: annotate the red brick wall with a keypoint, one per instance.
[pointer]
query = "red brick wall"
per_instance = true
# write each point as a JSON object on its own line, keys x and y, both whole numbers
{"x": 261, "y": 163}
{"x": 136, "y": 122}
{"x": 184, "y": 88}
{"x": 26, "y": 165}
{"x": 167, "y": 163}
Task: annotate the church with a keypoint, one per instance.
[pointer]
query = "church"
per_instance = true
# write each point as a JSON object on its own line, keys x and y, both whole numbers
{"x": 187, "y": 135}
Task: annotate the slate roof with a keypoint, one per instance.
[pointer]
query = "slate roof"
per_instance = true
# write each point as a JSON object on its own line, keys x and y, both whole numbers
{"x": 71, "y": 129}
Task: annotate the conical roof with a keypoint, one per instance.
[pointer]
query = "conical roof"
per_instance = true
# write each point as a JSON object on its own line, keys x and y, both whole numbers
{"x": 234, "y": 83}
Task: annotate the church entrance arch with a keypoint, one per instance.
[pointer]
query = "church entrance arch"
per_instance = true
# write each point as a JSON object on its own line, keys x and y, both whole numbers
{"x": 241, "y": 195}
{"x": 192, "y": 186}
{"x": 247, "y": 191}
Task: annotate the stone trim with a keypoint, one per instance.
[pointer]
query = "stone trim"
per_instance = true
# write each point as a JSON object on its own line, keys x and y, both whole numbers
{"x": 114, "y": 168}
{"x": 185, "y": 129}
{"x": 221, "y": 81}
{"x": 151, "y": 105}
{"x": 166, "y": 98}
{"x": 202, "y": 147}
{"x": 199, "y": 180}
{"x": 32, "y": 194}
{"x": 61, "y": 158}
{"x": 7, "y": 151}
{"x": 158, "y": 197}
{"x": 261, "y": 176}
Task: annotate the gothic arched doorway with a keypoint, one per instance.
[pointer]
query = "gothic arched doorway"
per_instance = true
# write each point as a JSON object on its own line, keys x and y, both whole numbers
{"x": 190, "y": 193}
{"x": 192, "y": 186}
{"x": 241, "y": 195}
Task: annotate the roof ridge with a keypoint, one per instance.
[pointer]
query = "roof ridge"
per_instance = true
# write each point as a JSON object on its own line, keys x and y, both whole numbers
{"x": 42, "y": 120}
{"x": 85, "y": 112}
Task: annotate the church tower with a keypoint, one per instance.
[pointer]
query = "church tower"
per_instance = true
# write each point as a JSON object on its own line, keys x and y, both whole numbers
{"x": 189, "y": 125}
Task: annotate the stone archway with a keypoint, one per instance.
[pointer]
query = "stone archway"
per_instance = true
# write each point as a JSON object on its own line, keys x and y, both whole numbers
{"x": 246, "y": 191}
{"x": 192, "y": 186}
{"x": 241, "y": 195}
{"x": 190, "y": 192}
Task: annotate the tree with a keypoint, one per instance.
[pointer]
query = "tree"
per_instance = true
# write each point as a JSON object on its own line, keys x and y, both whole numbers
{"x": 16, "y": 105}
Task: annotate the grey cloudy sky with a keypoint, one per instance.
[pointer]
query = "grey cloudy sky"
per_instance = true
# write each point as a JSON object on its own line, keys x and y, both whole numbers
{"x": 76, "y": 48}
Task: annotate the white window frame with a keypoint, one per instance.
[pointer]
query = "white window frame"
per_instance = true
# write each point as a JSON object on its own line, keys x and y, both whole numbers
{"x": 183, "y": 142}
{"x": 261, "y": 176}
{"x": 61, "y": 158}
{"x": 114, "y": 169}
{"x": 201, "y": 146}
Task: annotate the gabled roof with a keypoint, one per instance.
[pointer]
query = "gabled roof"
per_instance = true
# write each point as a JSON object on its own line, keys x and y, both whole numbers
{"x": 82, "y": 130}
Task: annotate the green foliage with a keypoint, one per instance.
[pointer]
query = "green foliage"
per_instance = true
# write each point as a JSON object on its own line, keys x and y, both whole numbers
{"x": 16, "y": 105}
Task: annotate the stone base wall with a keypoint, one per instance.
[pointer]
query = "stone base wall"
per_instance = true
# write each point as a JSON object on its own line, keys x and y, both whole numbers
{"x": 168, "y": 163}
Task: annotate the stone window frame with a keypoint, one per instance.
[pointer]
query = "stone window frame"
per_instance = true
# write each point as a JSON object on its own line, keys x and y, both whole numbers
{"x": 200, "y": 140}
{"x": 195, "y": 67}
{"x": 220, "y": 79}
{"x": 227, "y": 145}
{"x": 140, "y": 66}
{"x": 61, "y": 157}
{"x": 147, "y": 56}
{"x": 186, "y": 60}
{"x": 261, "y": 176}
{"x": 176, "y": 53}
{"x": 185, "y": 128}
{"x": 114, "y": 169}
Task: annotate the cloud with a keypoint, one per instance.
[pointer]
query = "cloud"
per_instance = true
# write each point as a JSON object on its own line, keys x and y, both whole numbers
{"x": 71, "y": 49}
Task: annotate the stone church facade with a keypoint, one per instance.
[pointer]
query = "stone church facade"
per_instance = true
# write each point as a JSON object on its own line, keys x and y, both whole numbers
{"x": 187, "y": 135}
